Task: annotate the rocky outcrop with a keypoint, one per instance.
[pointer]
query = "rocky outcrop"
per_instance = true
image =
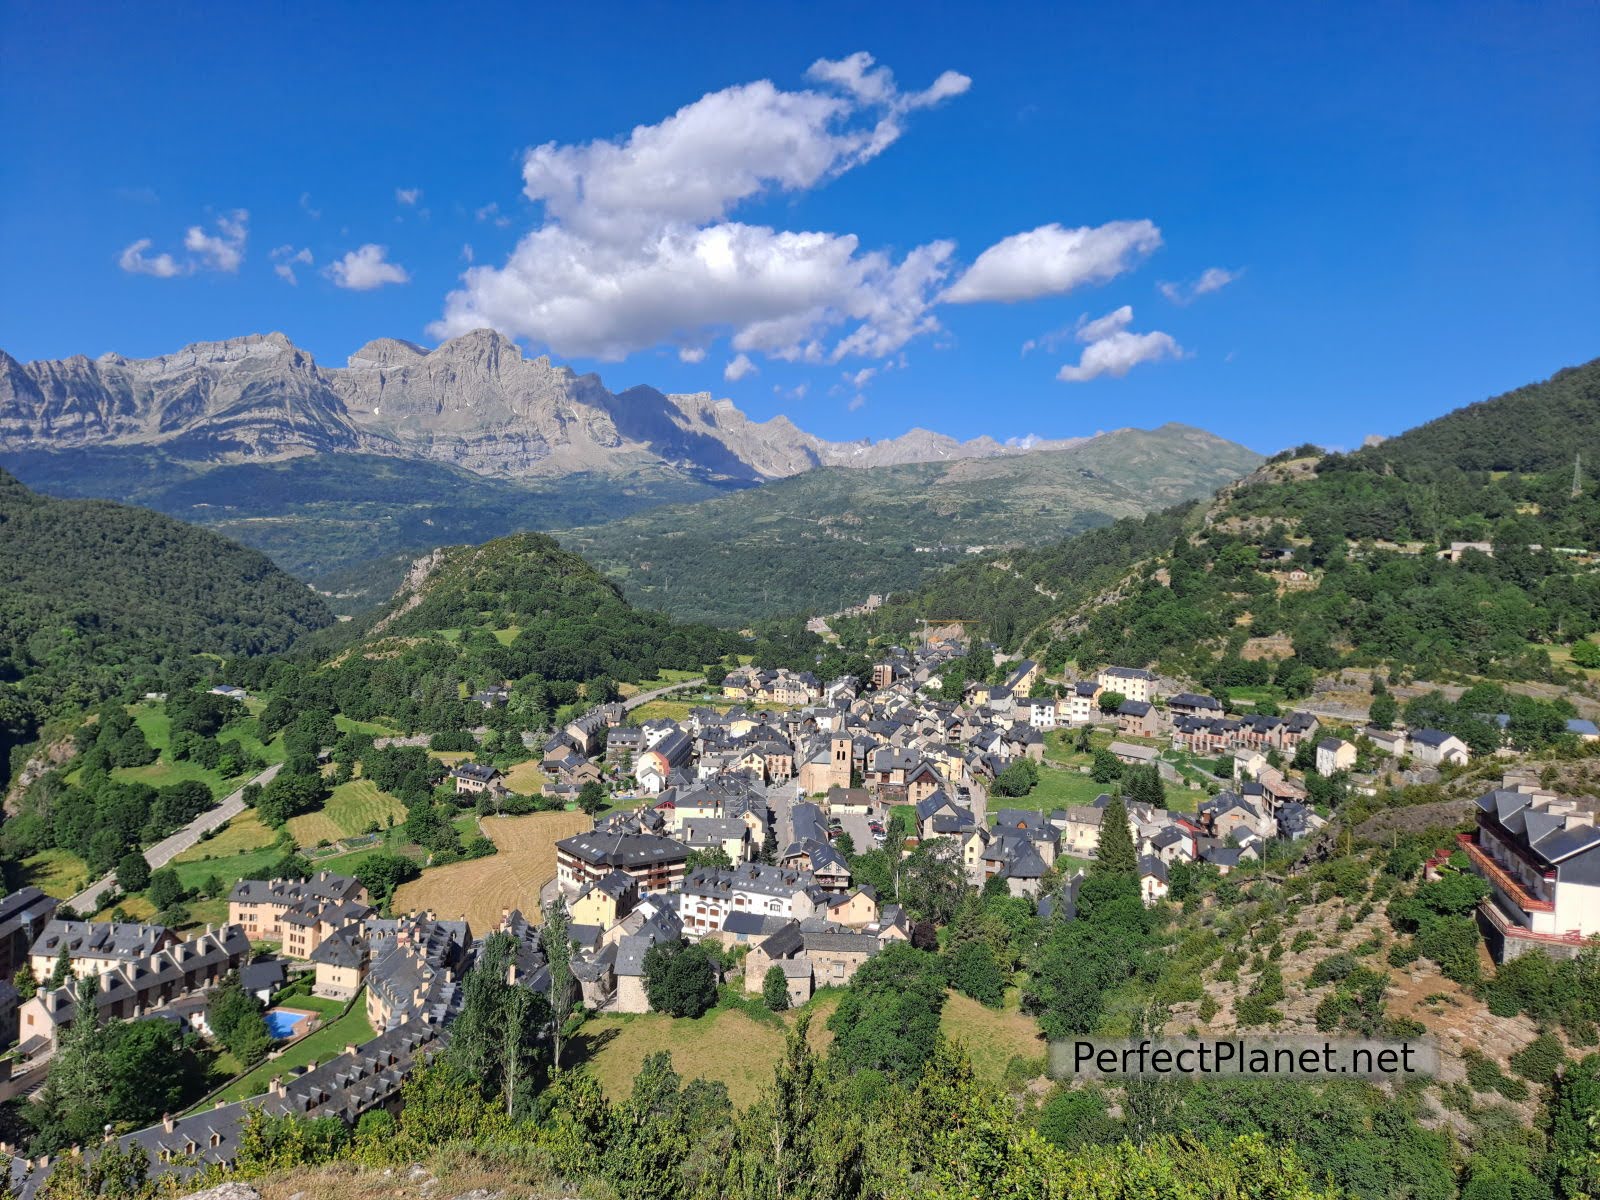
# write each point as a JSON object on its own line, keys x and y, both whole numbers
{"x": 474, "y": 402}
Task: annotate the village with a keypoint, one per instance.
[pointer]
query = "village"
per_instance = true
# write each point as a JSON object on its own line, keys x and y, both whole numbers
{"x": 736, "y": 826}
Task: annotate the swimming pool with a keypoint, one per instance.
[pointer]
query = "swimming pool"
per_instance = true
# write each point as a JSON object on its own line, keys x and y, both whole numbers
{"x": 283, "y": 1022}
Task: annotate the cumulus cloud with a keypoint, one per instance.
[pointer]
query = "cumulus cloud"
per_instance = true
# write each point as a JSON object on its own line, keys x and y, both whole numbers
{"x": 286, "y": 258}
{"x": 1110, "y": 348}
{"x": 366, "y": 268}
{"x": 691, "y": 354}
{"x": 408, "y": 196}
{"x": 1051, "y": 260}
{"x": 222, "y": 250}
{"x": 1212, "y": 279}
{"x": 739, "y": 368}
{"x": 135, "y": 261}
{"x": 860, "y": 379}
{"x": 637, "y": 245}
{"x": 857, "y": 401}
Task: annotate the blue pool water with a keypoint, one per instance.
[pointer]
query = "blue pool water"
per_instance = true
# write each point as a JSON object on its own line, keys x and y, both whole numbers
{"x": 281, "y": 1023}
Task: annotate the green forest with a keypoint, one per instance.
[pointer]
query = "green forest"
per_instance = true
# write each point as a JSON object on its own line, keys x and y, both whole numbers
{"x": 1189, "y": 586}
{"x": 97, "y": 599}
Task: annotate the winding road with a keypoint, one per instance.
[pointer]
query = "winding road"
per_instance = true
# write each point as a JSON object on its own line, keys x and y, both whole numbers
{"x": 88, "y": 901}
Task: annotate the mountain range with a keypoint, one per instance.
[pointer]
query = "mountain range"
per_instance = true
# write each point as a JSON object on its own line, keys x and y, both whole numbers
{"x": 344, "y": 475}
{"x": 474, "y": 402}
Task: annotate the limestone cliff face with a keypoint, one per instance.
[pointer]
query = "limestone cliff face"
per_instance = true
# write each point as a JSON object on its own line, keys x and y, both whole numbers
{"x": 474, "y": 402}
{"x": 256, "y": 396}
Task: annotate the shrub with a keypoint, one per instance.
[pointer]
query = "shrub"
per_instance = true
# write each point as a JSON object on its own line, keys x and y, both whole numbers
{"x": 1539, "y": 1060}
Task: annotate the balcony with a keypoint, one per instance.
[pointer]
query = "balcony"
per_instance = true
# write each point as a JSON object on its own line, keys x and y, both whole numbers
{"x": 1505, "y": 883}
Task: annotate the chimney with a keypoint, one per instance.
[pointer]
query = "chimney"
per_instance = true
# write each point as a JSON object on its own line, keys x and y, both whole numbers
{"x": 350, "y": 1048}
{"x": 275, "y": 1087}
{"x": 167, "y": 1122}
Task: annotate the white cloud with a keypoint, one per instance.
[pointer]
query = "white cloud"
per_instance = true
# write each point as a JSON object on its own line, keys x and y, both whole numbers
{"x": 636, "y": 247}
{"x": 861, "y": 378}
{"x": 366, "y": 268}
{"x": 491, "y": 212}
{"x": 223, "y": 250}
{"x": 219, "y": 251}
{"x": 305, "y": 205}
{"x": 1052, "y": 260}
{"x": 467, "y": 253}
{"x": 408, "y": 196}
{"x": 1212, "y": 279}
{"x": 856, "y": 402}
{"x": 738, "y": 368}
{"x": 134, "y": 261}
{"x": 691, "y": 354}
{"x": 286, "y": 258}
{"x": 1104, "y": 327}
{"x": 1110, "y": 349}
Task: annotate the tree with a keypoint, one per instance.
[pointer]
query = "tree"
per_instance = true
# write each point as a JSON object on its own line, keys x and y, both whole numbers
{"x": 1109, "y": 702}
{"x": 1117, "y": 854}
{"x": 236, "y": 1020}
{"x": 495, "y": 1039}
{"x": 715, "y": 856}
{"x": 133, "y": 872}
{"x": 592, "y": 798}
{"x": 164, "y": 887}
{"x": 888, "y": 1019}
{"x": 1017, "y": 779}
{"x": 679, "y": 979}
{"x": 775, "y": 989}
{"x": 974, "y": 972}
{"x": 557, "y": 944}
{"x": 62, "y": 971}
{"x": 1586, "y": 654}
{"x": 1107, "y": 768}
{"x": 382, "y": 872}
{"x": 932, "y": 881}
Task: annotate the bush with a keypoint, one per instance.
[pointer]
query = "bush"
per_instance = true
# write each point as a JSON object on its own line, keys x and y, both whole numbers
{"x": 1539, "y": 1060}
{"x": 1333, "y": 969}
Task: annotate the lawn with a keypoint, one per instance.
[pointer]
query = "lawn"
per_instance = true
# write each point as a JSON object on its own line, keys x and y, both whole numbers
{"x": 252, "y": 864}
{"x": 507, "y": 635}
{"x": 58, "y": 873}
{"x": 351, "y": 810}
{"x": 327, "y": 1042}
{"x": 525, "y": 779}
{"x": 370, "y": 728}
{"x": 1059, "y": 788}
{"x": 726, "y": 1044}
{"x": 992, "y": 1038}
{"x": 480, "y": 888}
{"x": 245, "y": 832}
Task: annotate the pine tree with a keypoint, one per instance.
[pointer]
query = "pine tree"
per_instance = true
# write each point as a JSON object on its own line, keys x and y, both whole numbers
{"x": 1117, "y": 855}
{"x": 63, "y": 969}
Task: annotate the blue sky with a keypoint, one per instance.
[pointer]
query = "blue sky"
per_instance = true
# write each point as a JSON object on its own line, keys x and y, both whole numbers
{"x": 1396, "y": 203}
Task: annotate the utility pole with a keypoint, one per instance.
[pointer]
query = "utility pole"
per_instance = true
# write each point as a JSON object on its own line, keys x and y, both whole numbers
{"x": 1577, "y": 477}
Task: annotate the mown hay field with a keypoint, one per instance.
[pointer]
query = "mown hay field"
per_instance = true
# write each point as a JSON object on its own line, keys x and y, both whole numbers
{"x": 481, "y": 888}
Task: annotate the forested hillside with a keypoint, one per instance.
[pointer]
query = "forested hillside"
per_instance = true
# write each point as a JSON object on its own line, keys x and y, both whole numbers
{"x": 824, "y": 540}
{"x": 1334, "y": 558}
{"x": 97, "y": 598}
{"x": 517, "y": 609}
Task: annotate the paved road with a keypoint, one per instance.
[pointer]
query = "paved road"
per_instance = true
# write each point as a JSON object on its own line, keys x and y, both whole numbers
{"x": 643, "y": 698}
{"x": 87, "y": 902}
